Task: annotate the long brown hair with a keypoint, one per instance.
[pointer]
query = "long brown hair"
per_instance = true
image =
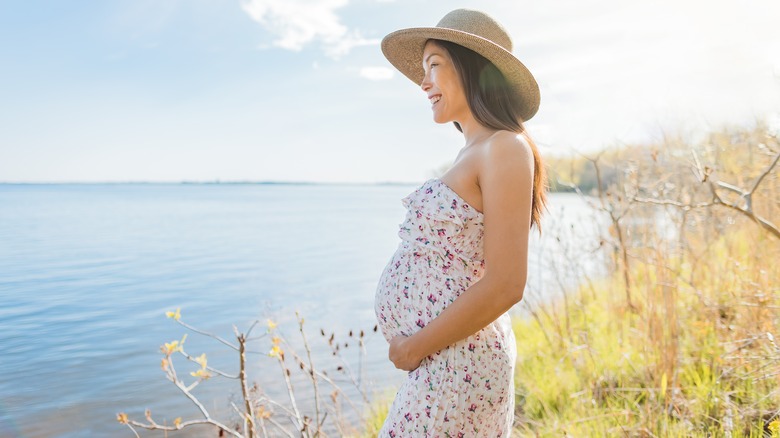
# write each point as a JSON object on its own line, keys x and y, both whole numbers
{"x": 492, "y": 102}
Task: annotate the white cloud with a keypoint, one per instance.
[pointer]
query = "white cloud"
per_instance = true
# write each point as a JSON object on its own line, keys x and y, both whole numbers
{"x": 376, "y": 73}
{"x": 296, "y": 23}
{"x": 348, "y": 42}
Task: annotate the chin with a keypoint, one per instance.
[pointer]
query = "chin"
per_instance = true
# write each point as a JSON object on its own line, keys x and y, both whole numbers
{"x": 440, "y": 120}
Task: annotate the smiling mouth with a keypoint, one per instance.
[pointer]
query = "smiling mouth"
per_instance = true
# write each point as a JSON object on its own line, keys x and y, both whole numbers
{"x": 435, "y": 99}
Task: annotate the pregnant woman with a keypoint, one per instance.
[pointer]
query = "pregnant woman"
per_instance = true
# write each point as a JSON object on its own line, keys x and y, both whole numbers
{"x": 443, "y": 298}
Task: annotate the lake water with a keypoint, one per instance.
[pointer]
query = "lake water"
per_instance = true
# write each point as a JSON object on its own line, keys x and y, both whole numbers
{"x": 87, "y": 273}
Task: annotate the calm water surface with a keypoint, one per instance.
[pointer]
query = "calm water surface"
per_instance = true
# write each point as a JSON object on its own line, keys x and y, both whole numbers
{"x": 87, "y": 273}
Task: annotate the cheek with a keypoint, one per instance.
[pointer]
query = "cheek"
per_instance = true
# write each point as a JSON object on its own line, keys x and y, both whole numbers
{"x": 453, "y": 85}
{"x": 435, "y": 79}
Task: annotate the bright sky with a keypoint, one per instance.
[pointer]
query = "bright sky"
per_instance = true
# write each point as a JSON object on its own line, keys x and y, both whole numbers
{"x": 298, "y": 90}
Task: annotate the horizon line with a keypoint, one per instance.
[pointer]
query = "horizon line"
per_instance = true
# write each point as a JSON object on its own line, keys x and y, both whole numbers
{"x": 215, "y": 182}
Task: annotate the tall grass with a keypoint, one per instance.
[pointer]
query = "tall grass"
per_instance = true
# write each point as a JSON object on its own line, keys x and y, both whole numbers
{"x": 699, "y": 357}
{"x": 681, "y": 338}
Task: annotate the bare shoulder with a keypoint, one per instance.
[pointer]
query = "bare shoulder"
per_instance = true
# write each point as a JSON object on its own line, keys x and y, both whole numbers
{"x": 506, "y": 150}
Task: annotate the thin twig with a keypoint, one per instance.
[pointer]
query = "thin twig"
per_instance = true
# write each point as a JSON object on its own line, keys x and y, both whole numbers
{"x": 210, "y": 335}
{"x": 765, "y": 173}
{"x": 157, "y": 426}
{"x": 213, "y": 370}
{"x": 171, "y": 373}
{"x": 291, "y": 394}
{"x": 128, "y": 424}
{"x": 276, "y": 423}
{"x": 673, "y": 203}
{"x": 251, "y": 327}
{"x": 770, "y": 227}
{"x": 312, "y": 375}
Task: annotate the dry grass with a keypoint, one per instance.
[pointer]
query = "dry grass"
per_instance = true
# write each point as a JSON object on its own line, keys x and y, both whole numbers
{"x": 680, "y": 338}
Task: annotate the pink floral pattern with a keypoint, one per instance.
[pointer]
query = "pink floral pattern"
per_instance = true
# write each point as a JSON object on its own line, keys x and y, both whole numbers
{"x": 466, "y": 389}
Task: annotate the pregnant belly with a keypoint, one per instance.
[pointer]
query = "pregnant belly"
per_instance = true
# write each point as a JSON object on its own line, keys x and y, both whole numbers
{"x": 415, "y": 286}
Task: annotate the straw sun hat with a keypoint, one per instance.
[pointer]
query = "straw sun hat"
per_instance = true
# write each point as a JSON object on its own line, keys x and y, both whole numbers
{"x": 471, "y": 29}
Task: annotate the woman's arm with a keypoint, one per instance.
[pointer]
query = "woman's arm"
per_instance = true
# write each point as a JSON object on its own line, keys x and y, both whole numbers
{"x": 505, "y": 173}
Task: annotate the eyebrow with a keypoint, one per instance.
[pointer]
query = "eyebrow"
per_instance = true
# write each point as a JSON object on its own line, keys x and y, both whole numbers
{"x": 425, "y": 61}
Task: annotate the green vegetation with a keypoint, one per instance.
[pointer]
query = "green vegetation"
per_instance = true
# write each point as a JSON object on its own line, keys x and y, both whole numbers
{"x": 698, "y": 357}
{"x": 681, "y": 339}
{"x": 376, "y": 414}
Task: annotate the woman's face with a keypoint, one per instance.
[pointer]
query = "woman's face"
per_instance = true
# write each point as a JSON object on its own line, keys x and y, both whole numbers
{"x": 443, "y": 86}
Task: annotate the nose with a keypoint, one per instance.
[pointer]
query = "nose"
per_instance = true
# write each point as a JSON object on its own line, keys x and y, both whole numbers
{"x": 426, "y": 83}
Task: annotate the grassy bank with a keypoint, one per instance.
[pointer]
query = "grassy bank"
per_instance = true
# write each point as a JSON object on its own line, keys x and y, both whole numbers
{"x": 681, "y": 338}
{"x": 698, "y": 356}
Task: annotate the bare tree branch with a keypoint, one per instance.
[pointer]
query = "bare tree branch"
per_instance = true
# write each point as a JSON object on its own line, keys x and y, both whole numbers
{"x": 249, "y": 414}
{"x": 703, "y": 175}
{"x": 157, "y": 426}
{"x": 747, "y": 210}
{"x": 765, "y": 173}
{"x": 213, "y": 370}
{"x": 768, "y": 226}
{"x": 210, "y": 335}
{"x": 673, "y": 203}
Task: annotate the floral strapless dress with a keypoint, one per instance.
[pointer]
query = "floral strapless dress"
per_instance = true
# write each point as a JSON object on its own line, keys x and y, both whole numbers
{"x": 466, "y": 389}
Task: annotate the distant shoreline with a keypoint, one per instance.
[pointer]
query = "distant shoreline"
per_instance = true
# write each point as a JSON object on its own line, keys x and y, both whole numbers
{"x": 552, "y": 189}
{"x": 204, "y": 183}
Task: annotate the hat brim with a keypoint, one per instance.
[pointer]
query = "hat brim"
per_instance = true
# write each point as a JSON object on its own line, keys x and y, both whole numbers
{"x": 404, "y": 49}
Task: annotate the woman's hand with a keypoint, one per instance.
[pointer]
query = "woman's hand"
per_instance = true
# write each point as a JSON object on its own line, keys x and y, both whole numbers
{"x": 401, "y": 356}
